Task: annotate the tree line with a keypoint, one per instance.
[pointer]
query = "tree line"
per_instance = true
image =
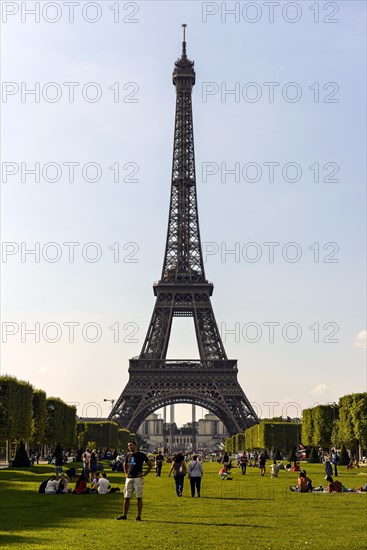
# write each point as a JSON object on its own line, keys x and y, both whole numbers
{"x": 28, "y": 415}
{"x": 322, "y": 426}
{"x": 333, "y": 425}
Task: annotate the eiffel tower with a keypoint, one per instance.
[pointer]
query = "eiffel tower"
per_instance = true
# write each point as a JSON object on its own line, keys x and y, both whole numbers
{"x": 183, "y": 291}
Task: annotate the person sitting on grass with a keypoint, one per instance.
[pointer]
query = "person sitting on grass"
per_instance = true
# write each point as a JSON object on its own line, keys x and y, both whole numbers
{"x": 62, "y": 485}
{"x": 51, "y": 486}
{"x": 81, "y": 486}
{"x": 223, "y": 472}
{"x": 275, "y": 468}
{"x": 304, "y": 484}
{"x": 95, "y": 480}
{"x": 295, "y": 467}
{"x": 103, "y": 485}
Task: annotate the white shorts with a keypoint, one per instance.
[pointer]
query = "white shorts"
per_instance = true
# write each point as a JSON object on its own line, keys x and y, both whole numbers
{"x": 133, "y": 484}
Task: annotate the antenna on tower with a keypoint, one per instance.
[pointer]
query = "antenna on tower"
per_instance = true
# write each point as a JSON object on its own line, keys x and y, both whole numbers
{"x": 184, "y": 25}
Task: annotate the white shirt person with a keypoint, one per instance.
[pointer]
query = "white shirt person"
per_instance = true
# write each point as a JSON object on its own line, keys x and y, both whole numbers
{"x": 103, "y": 485}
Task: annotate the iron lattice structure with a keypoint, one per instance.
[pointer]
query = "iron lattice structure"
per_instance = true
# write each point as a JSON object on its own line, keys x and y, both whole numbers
{"x": 183, "y": 291}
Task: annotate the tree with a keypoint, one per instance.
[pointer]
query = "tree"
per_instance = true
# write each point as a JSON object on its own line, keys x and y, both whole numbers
{"x": 39, "y": 418}
{"x": 359, "y": 416}
{"x": 124, "y": 438}
{"x": 270, "y": 435}
{"x": 353, "y": 420}
{"x": 60, "y": 423}
{"x": 240, "y": 440}
{"x": 15, "y": 409}
{"x": 307, "y": 427}
{"x": 103, "y": 434}
{"x": 277, "y": 454}
{"x": 324, "y": 417}
{"x": 314, "y": 456}
{"x": 293, "y": 454}
{"x": 21, "y": 459}
{"x": 58, "y": 450}
{"x": 344, "y": 456}
{"x": 252, "y": 438}
{"x": 229, "y": 445}
{"x": 346, "y": 428}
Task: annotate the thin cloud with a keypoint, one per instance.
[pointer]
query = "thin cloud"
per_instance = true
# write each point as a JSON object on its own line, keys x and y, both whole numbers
{"x": 319, "y": 389}
{"x": 361, "y": 340}
{"x": 45, "y": 368}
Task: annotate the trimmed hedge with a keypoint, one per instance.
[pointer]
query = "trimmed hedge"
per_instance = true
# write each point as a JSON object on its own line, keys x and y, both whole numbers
{"x": 16, "y": 398}
{"x": 268, "y": 435}
{"x": 124, "y": 438}
{"x": 60, "y": 423}
{"x": 39, "y": 417}
{"x": 102, "y": 434}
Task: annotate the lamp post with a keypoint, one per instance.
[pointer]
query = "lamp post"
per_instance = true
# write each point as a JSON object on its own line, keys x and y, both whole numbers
{"x": 333, "y": 437}
{"x": 101, "y": 438}
{"x": 272, "y": 441}
{"x": 51, "y": 427}
{"x": 284, "y": 446}
{"x": 112, "y": 401}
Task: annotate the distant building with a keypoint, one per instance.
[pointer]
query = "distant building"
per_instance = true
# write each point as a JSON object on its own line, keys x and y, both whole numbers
{"x": 211, "y": 432}
{"x": 152, "y": 430}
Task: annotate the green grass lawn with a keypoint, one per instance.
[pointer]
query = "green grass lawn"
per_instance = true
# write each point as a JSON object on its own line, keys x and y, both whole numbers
{"x": 249, "y": 512}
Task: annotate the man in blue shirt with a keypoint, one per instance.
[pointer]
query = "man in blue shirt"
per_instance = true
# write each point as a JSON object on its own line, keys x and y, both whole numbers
{"x": 133, "y": 468}
{"x": 335, "y": 460}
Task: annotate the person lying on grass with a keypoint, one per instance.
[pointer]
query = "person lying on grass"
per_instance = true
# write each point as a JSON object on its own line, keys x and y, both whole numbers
{"x": 336, "y": 487}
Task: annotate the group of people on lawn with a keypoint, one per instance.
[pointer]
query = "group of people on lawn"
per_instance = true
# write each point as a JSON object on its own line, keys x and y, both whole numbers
{"x": 133, "y": 467}
{"x": 99, "y": 482}
{"x": 304, "y": 483}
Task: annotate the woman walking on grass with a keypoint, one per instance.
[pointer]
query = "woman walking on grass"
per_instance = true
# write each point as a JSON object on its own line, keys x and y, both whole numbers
{"x": 179, "y": 471}
{"x": 262, "y": 463}
{"x": 195, "y": 472}
{"x": 93, "y": 465}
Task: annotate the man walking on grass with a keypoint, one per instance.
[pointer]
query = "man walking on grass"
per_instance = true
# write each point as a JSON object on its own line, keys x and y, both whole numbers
{"x": 133, "y": 468}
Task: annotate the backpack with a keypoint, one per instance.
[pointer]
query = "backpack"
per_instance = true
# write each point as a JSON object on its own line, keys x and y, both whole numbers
{"x": 42, "y": 487}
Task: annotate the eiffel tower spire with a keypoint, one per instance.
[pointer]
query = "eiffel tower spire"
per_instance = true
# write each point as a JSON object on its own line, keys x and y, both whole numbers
{"x": 183, "y": 56}
{"x": 183, "y": 259}
{"x": 183, "y": 291}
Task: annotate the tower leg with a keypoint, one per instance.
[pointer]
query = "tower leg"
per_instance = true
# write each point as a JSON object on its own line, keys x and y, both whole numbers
{"x": 193, "y": 421}
{"x": 172, "y": 428}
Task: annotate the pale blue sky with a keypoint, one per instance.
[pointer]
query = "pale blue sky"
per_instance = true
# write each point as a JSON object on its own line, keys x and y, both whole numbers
{"x": 305, "y": 212}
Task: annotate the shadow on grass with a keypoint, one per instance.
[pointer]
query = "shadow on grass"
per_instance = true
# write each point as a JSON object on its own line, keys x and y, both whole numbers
{"x": 209, "y": 524}
{"x": 11, "y": 539}
{"x": 31, "y": 473}
{"x": 24, "y": 509}
{"x": 236, "y": 498}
